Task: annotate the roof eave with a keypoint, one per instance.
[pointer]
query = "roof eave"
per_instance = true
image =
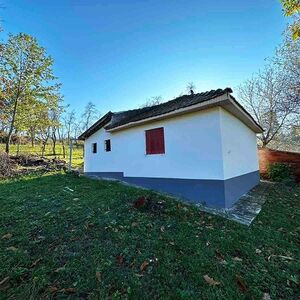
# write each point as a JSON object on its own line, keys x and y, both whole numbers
{"x": 96, "y": 126}
{"x": 202, "y": 105}
{"x": 225, "y": 101}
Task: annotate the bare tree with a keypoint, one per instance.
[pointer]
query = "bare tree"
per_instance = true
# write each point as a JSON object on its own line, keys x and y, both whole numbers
{"x": 69, "y": 123}
{"x": 272, "y": 95}
{"x": 152, "y": 101}
{"x": 90, "y": 115}
{"x": 191, "y": 88}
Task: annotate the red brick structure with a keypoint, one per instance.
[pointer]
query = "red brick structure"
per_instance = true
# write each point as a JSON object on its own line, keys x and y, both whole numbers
{"x": 267, "y": 156}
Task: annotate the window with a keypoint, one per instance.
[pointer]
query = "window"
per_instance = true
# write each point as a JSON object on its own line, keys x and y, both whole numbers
{"x": 155, "y": 142}
{"x": 107, "y": 145}
{"x": 94, "y": 148}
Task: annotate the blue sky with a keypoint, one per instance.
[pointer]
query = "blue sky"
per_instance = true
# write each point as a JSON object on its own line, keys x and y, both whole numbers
{"x": 119, "y": 53}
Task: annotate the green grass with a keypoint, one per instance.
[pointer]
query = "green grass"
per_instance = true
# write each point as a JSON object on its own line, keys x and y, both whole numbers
{"x": 77, "y": 156}
{"x": 94, "y": 241}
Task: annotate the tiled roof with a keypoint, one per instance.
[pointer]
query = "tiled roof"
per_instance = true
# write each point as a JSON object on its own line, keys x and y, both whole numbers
{"x": 122, "y": 118}
{"x": 116, "y": 119}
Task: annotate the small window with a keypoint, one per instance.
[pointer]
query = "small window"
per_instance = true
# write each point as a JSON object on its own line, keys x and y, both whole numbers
{"x": 155, "y": 141}
{"x": 107, "y": 145}
{"x": 94, "y": 147}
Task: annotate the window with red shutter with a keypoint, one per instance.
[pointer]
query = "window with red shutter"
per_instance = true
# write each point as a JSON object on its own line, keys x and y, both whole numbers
{"x": 155, "y": 141}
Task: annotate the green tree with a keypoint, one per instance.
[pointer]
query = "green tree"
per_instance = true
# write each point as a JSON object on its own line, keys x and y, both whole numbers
{"x": 26, "y": 80}
{"x": 292, "y": 8}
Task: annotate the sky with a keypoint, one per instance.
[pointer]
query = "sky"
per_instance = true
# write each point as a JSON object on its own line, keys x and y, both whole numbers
{"x": 119, "y": 53}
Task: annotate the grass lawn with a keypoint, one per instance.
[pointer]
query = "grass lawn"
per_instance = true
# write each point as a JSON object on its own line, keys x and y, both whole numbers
{"x": 27, "y": 149}
{"x": 77, "y": 238}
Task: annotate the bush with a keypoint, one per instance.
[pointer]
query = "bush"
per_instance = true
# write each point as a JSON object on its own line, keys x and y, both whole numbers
{"x": 280, "y": 172}
{"x": 6, "y": 169}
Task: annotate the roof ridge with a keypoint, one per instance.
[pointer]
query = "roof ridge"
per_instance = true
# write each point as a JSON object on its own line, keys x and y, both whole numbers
{"x": 116, "y": 119}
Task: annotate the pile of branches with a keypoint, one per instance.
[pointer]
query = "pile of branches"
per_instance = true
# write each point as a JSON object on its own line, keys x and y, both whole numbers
{"x": 6, "y": 165}
{"x": 25, "y": 164}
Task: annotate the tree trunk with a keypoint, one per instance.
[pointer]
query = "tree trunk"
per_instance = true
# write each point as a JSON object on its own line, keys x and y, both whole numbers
{"x": 32, "y": 137}
{"x": 12, "y": 125}
{"x": 43, "y": 148}
{"x": 54, "y": 143}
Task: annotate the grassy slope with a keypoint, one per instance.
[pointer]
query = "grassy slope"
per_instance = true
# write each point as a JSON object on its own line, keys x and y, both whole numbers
{"x": 79, "y": 235}
{"x": 77, "y": 157}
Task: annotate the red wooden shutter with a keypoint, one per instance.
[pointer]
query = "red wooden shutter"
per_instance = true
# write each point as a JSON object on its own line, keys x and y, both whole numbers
{"x": 155, "y": 142}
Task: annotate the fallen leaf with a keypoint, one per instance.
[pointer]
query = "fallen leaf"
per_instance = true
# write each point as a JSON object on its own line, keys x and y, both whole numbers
{"x": 207, "y": 243}
{"x": 219, "y": 255}
{"x": 172, "y": 243}
{"x": 285, "y": 257}
{"x": 68, "y": 189}
{"x": 140, "y": 202}
{"x": 210, "y": 280}
{"x": 242, "y": 286}
{"x": 12, "y": 248}
{"x": 7, "y": 236}
{"x": 4, "y": 282}
{"x": 236, "y": 258}
{"x": 120, "y": 259}
{"x": 98, "y": 276}
{"x": 60, "y": 269}
{"x": 134, "y": 224}
{"x": 68, "y": 290}
{"x": 53, "y": 289}
{"x": 36, "y": 262}
{"x": 257, "y": 251}
{"x": 144, "y": 265}
{"x": 266, "y": 296}
{"x": 162, "y": 228}
{"x": 280, "y": 256}
{"x": 88, "y": 225}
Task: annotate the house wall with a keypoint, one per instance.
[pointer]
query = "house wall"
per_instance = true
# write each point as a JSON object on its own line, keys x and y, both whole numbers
{"x": 239, "y": 146}
{"x": 240, "y": 159}
{"x": 192, "y": 149}
{"x": 210, "y": 157}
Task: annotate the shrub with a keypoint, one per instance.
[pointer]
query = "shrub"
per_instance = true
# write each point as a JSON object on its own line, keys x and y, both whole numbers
{"x": 6, "y": 169}
{"x": 280, "y": 172}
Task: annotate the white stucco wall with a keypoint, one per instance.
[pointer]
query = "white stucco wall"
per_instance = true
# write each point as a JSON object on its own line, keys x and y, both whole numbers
{"x": 239, "y": 146}
{"x": 192, "y": 149}
{"x": 210, "y": 144}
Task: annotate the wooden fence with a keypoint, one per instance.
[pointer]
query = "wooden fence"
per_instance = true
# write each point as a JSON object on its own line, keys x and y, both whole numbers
{"x": 267, "y": 156}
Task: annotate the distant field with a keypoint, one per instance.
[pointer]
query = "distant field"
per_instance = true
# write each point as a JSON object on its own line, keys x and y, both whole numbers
{"x": 77, "y": 157}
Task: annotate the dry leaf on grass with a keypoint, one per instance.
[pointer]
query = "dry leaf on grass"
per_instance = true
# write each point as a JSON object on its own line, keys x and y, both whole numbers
{"x": 120, "y": 260}
{"x": 266, "y": 296}
{"x": 210, "y": 280}
{"x": 258, "y": 251}
{"x": 219, "y": 255}
{"x": 98, "y": 276}
{"x": 68, "y": 290}
{"x": 144, "y": 265}
{"x": 242, "y": 286}
{"x": 7, "y": 236}
{"x": 36, "y": 262}
{"x": 236, "y": 258}
{"x": 280, "y": 256}
{"x": 12, "y": 248}
{"x": 53, "y": 289}
{"x": 4, "y": 282}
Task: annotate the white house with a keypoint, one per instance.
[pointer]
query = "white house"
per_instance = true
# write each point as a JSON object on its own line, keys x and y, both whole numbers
{"x": 200, "y": 147}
